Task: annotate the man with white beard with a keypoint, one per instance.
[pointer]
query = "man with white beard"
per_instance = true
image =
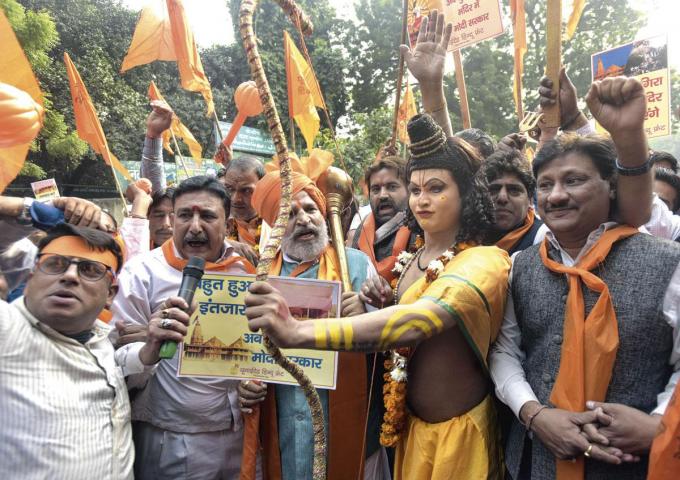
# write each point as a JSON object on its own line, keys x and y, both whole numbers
{"x": 287, "y": 425}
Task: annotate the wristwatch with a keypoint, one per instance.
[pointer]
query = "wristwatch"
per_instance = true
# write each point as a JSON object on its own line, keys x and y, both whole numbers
{"x": 24, "y": 217}
{"x": 632, "y": 172}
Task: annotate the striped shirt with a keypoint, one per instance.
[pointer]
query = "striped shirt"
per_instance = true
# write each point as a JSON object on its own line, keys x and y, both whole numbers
{"x": 64, "y": 407}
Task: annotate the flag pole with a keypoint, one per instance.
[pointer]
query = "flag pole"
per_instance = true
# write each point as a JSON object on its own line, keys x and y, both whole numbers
{"x": 119, "y": 188}
{"x": 291, "y": 126}
{"x": 400, "y": 75}
{"x": 179, "y": 153}
{"x": 551, "y": 113}
{"x": 462, "y": 90}
{"x": 217, "y": 124}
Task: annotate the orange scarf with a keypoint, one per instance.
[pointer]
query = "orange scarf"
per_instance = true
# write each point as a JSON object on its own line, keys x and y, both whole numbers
{"x": 664, "y": 460}
{"x": 347, "y": 405}
{"x": 366, "y": 245}
{"x": 514, "y": 236}
{"x": 179, "y": 263}
{"x": 589, "y": 343}
{"x": 247, "y": 231}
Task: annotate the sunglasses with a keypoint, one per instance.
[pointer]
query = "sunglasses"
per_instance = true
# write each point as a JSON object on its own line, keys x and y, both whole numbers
{"x": 90, "y": 270}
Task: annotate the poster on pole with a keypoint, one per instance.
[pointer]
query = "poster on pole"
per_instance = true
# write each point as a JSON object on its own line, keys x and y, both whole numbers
{"x": 647, "y": 61}
{"x": 219, "y": 343}
{"x": 45, "y": 190}
{"x": 473, "y": 20}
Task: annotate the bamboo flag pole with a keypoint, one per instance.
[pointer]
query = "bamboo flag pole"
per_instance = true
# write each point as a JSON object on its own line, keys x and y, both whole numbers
{"x": 462, "y": 89}
{"x": 120, "y": 189}
{"x": 291, "y": 128}
{"x": 179, "y": 153}
{"x": 551, "y": 113}
{"x": 400, "y": 75}
{"x": 217, "y": 125}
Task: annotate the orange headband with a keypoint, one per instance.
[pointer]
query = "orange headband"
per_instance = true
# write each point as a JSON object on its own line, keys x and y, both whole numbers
{"x": 72, "y": 246}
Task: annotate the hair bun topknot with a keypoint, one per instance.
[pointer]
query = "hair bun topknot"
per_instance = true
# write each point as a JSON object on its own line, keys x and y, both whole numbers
{"x": 426, "y": 136}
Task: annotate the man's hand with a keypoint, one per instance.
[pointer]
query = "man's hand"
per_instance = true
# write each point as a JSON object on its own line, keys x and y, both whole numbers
{"x": 351, "y": 305}
{"x": 266, "y": 309}
{"x": 223, "y": 155}
{"x": 130, "y": 333}
{"x": 560, "y": 432}
{"x": 619, "y": 105}
{"x": 159, "y": 120}
{"x": 513, "y": 141}
{"x": 250, "y": 393}
{"x": 80, "y": 212}
{"x": 426, "y": 61}
{"x": 571, "y": 117}
{"x": 245, "y": 251}
{"x": 174, "y": 309}
{"x": 626, "y": 428}
{"x": 376, "y": 291}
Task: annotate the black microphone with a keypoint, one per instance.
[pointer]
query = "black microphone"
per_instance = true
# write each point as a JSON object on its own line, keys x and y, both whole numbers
{"x": 191, "y": 275}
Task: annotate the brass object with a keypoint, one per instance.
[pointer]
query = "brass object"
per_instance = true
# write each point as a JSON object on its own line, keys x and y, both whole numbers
{"x": 336, "y": 185}
{"x": 530, "y": 124}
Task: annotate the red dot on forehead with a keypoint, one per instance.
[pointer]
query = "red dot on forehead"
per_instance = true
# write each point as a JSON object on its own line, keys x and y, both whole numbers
{"x": 196, "y": 208}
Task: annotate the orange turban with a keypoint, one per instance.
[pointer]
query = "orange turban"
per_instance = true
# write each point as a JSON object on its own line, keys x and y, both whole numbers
{"x": 267, "y": 195}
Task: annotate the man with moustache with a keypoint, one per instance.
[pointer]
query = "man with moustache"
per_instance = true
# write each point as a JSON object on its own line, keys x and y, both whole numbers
{"x": 239, "y": 178}
{"x": 591, "y": 321}
{"x": 188, "y": 427}
{"x": 287, "y": 425}
{"x": 512, "y": 188}
{"x": 383, "y": 234}
{"x": 64, "y": 406}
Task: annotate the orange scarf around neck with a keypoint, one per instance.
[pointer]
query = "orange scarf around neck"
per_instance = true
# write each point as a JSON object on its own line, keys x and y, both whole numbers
{"x": 329, "y": 266}
{"x": 367, "y": 241}
{"x": 178, "y": 263}
{"x": 247, "y": 231}
{"x": 589, "y": 343}
{"x": 514, "y": 236}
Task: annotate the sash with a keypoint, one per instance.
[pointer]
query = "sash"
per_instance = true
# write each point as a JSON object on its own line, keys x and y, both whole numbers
{"x": 366, "y": 242}
{"x": 178, "y": 263}
{"x": 514, "y": 236}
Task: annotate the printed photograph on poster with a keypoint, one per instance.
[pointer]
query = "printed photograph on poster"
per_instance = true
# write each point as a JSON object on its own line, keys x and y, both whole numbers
{"x": 45, "y": 190}
{"x": 647, "y": 61}
{"x": 219, "y": 343}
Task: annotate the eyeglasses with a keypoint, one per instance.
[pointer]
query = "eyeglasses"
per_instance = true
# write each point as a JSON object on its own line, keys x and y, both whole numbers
{"x": 90, "y": 270}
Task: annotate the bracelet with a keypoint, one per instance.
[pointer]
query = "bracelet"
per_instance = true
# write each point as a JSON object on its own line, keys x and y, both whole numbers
{"x": 438, "y": 109}
{"x": 534, "y": 415}
{"x": 571, "y": 120}
{"x": 634, "y": 171}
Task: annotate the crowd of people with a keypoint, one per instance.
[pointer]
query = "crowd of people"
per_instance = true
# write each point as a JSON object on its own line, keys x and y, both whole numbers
{"x": 507, "y": 318}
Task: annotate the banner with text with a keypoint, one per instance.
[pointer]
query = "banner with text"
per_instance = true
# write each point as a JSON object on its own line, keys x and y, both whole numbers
{"x": 647, "y": 61}
{"x": 219, "y": 343}
{"x": 473, "y": 20}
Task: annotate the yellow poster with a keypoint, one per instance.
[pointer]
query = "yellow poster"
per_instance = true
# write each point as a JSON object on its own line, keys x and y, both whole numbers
{"x": 647, "y": 61}
{"x": 219, "y": 343}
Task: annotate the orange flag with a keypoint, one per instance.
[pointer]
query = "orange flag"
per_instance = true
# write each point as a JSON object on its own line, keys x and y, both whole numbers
{"x": 178, "y": 128}
{"x": 16, "y": 71}
{"x": 664, "y": 458}
{"x": 163, "y": 33}
{"x": 87, "y": 123}
{"x": 518, "y": 15}
{"x": 304, "y": 93}
{"x": 574, "y": 18}
{"x": 407, "y": 109}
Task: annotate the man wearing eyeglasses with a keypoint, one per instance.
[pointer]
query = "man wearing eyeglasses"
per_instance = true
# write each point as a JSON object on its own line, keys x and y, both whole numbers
{"x": 64, "y": 407}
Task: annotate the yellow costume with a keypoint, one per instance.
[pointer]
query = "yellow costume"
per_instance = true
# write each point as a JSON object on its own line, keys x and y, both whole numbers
{"x": 472, "y": 288}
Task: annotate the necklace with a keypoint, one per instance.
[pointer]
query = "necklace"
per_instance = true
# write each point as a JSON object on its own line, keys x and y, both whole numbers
{"x": 422, "y": 269}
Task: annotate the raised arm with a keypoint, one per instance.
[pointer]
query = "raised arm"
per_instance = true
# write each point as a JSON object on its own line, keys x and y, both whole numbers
{"x": 618, "y": 104}
{"x": 426, "y": 62}
{"x": 158, "y": 121}
{"x": 396, "y": 326}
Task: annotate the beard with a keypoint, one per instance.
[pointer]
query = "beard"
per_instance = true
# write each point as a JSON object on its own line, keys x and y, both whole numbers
{"x": 305, "y": 250}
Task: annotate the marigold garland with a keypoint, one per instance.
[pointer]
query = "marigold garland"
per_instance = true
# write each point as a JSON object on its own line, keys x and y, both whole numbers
{"x": 232, "y": 233}
{"x": 394, "y": 390}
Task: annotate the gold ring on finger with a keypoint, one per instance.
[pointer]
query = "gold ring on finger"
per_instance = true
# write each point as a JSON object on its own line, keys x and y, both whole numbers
{"x": 588, "y": 450}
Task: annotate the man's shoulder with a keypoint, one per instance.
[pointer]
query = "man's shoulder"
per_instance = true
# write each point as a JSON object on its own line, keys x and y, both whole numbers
{"x": 145, "y": 262}
{"x": 356, "y": 257}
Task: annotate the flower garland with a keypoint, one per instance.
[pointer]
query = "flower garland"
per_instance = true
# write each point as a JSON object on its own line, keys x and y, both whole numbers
{"x": 394, "y": 390}
{"x": 232, "y": 233}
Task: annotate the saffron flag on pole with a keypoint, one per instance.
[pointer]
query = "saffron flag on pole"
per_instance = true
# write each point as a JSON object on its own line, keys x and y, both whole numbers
{"x": 574, "y": 18}
{"x": 87, "y": 123}
{"x": 163, "y": 33}
{"x": 518, "y": 15}
{"x": 16, "y": 71}
{"x": 407, "y": 109}
{"x": 304, "y": 93}
{"x": 178, "y": 128}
